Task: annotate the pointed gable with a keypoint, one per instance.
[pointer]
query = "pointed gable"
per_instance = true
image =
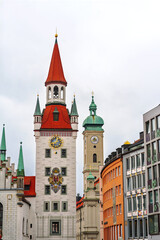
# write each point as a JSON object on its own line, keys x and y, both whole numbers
{"x": 56, "y": 74}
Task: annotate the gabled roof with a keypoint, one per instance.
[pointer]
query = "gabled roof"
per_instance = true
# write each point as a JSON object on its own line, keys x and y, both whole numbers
{"x": 37, "y": 109}
{"x": 49, "y": 123}
{"x": 55, "y": 74}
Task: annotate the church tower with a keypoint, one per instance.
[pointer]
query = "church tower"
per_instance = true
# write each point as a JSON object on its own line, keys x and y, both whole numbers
{"x": 93, "y": 143}
{"x": 55, "y": 131}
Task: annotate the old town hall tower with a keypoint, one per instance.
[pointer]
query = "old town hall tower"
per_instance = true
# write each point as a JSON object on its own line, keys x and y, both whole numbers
{"x": 55, "y": 131}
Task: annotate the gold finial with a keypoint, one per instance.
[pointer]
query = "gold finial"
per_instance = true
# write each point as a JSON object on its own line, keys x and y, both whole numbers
{"x": 74, "y": 95}
{"x": 92, "y": 93}
{"x": 56, "y": 35}
{"x": 90, "y": 167}
{"x": 37, "y": 95}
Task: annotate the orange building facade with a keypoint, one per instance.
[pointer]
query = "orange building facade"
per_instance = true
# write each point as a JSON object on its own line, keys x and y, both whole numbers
{"x": 113, "y": 208}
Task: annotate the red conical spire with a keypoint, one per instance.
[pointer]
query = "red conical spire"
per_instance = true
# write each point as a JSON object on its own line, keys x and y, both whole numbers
{"x": 56, "y": 74}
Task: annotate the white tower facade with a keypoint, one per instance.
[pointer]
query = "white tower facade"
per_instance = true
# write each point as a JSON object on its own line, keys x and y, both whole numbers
{"x": 55, "y": 137}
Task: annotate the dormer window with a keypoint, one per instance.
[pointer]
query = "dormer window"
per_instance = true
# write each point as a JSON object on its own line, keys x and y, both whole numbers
{"x": 55, "y": 114}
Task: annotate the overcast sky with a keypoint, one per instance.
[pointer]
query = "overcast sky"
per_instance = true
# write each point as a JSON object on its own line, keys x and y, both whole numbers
{"x": 109, "y": 47}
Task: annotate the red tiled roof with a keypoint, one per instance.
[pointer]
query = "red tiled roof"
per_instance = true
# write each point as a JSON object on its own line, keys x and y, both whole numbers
{"x": 55, "y": 74}
{"x": 80, "y": 203}
{"x": 47, "y": 119}
{"x": 31, "y": 192}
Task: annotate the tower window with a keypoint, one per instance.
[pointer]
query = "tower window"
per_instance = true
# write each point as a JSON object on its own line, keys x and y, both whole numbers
{"x": 64, "y": 171}
{"x": 1, "y": 217}
{"x": 47, "y": 171}
{"x": 55, "y": 227}
{"x": 47, "y": 153}
{"x": 47, "y": 190}
{"x": 64, "y": 189}
{"x": 64, "y": 206}
{"x": 55, "y": 92}
{"x": 63, "y": 153}
{"x": 49, "y": 93}
{"x": 62, "y": 93}
{"x": 46, "y": 206}
{"x": 94, "y": 157}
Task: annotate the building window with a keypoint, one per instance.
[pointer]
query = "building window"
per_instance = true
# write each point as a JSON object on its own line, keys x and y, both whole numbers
{"x": 120, "y": 208}
{"x": 129, "y": 184}
{"x": 147, "y": 127}
{"x": 47, "y": 153}
{"x": 31, "y": 225}
{"x": 148, "y": 154}
{"x": 63, "y": 153}
{"x": 64, "y": 171}
{"x": 141, "y": 227}
{"x": 117, "y": 209}
{"x": 145, "y": 228}
{"x": 47, "y": 171}
{"x": 138, "y": 160}
{"x": 133, "y": 162}
{"x": 135, "y": 228}
{"x": 55, "y": 206}
{"x": 150, "y": 198}
{"x": 142, "y": 158}
{"x": 63, "y": 189}
{"x": 144, "y": 202}
{"x": 158, "y": 146}
{"x": 158, "y": 122}
{"x": 139, "y": 181}
{"x": 143, "y": 180}
{"x": 47, "y": 206}
{"x": 55, "y": 227}
{"x": 149, "y": 174}
{"x": 27, "y": 227}
{"x": 26, "y": 187}
{"x": 139, "y": 203}
{"x": 129, "y": 205}
{"x": 23, "y": 226}
{"x": 128, "y": 164}
{"x": 47, "y": 190}
{"x": 116, "y": 172}
{"x": 94, "y": 157}
{"x": 119, "y": 170}
{"x": 134, "y": 182}
{"x": 49, "y": 93}
{"x": 62, "y": 93}
{"x": 153, "y": 224}
{"x": 119, "y": 189}
{"x": 152, "y": 124}
{"x": 130, "y": 228}
{"x": 1, "y": 216}
{"x": 64, "y": 206}
{"x": 30, "y": 237}
{"x": 134, "y": 204}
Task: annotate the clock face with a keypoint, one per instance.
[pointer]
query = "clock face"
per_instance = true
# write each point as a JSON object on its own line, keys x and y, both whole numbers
{"x": 94, "y": 139}
{"x": 55, "y": 142}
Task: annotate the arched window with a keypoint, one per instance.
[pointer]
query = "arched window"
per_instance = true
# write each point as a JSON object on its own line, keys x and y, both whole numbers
{"x": 94, "y": 157}
{"x": 1, "y": 218}
{"x": 55, "y": 92}
{"x": 62, "y": 93}
{"x": 49, "y": 93}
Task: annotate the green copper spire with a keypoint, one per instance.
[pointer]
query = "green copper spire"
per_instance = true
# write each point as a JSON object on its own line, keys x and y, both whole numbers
{"x": 74, "y": 111}
{"x": 37, "y": 109}
{"x": 3, "y": 145}
{"x": 20, "y": 170}
{"x": 90, "y": 177}
{"x": 93, "y": 122}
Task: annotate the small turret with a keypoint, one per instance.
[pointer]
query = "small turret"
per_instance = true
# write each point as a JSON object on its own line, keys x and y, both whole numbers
{"x": 74, "y": 115}
{"x": 3, "y": 145}
{"x": 20, "y": 173}
{"x": 37, "y": 115}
